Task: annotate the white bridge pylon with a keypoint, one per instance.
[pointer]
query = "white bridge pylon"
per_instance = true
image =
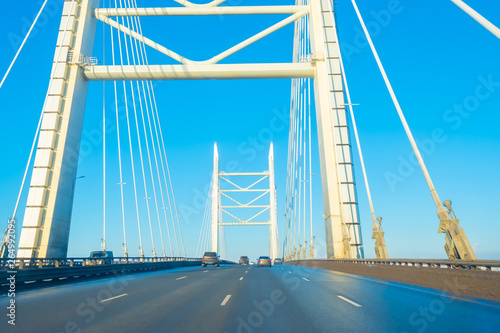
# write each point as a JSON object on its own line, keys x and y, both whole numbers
{"x": 219, "y": 210}
{"x": 47, "y": 217}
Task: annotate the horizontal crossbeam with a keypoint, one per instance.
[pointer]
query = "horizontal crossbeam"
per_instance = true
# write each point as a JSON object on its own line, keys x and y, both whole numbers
{"x": 201, "y": 72}
{"x": 265, "y": 173}
{"x": 245, "y": 206}
{"x": 238, "y": 223}
{"x": 180, "y": 11}
{"x": 244, "y": 190}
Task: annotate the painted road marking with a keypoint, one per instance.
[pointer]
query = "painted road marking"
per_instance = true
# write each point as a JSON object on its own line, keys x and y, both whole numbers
{"x": 241, "y": 278}
{"x": 183, "y": 277}
{"x": 29, "y": 281}
{"x": 109, "y": 299}
{"x": 47, "y": 280}
{"x": 246, "y": 272}
{"x": 349, "y": 301}
{"x": 306, "y": 279}
{"x": 205, "y": 271}
{"x": 225, "y": 300}
{"x": 64, "y": 278}
{"x": 289, "y": 272}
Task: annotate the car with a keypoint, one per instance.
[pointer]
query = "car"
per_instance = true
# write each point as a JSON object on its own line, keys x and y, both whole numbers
{"x": 252, "y": 263}
{"x": 278, "y": 261}
{"x": 244, "y": 260}
{"x": 210, "y": 258}
{"x": 102, "y": 257}
{"x": 264, "y": 261}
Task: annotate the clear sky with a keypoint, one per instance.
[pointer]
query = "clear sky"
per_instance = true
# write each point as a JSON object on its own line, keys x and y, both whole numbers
{"x": 444, "y": 68}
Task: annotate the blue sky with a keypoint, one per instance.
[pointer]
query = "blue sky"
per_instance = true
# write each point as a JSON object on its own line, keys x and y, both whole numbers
{"x": 444, "y": 69}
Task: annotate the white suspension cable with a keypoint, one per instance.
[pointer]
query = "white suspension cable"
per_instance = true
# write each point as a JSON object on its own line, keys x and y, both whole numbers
{"x": 435, "y": 196}
{"x": 200, "y": 238}
{"x": 147, "y": 107}
{"x": 121, "y": 183}
{"x": 141, "y": 155}
{"x": 478, "y": 17}
{"x": 310, "y": 162}
{"x": 288, "y": 209}
{"x": 143, "y": 59}
{"x": 117, "y": 123}
{"x": 141, "y": 248}
{"x": 104, "y": 133}
{"x": 206, "y": 217}
{"x": 146, "y": 140}
{"x": 155, "y": 120}
{"x": 164, "y": 151}
{"x": 22, "y": 44}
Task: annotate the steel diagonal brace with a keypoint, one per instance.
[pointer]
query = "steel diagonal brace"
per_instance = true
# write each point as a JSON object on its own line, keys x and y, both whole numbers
{"x": 250, "y": 219}
{"x": 228, "y": 213}
{"x": 227, "y": 196}
{"x": 230, "y": 182}
{"x": 102, "y": 16}
{"x": 258, "y": 181}
{"x": 260, "y": 196}
{"x": 141, "y": 38}
{"x": 255, "y": 38}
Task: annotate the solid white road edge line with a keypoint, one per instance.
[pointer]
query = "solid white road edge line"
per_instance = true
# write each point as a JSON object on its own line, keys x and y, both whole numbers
{"x": 182, "y": 277}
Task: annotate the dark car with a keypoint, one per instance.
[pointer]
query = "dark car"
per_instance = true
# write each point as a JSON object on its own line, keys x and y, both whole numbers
{"x": 278, "y": 261}
{"x": 102, "y": 257}
{"x": 244, "y": 260}
{"x": 264, "y": 261}
{"x": 210, "y": 258}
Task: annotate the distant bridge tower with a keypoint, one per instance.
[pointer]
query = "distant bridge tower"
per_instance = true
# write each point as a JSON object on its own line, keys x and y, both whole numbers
{"x": 218, "y": 209}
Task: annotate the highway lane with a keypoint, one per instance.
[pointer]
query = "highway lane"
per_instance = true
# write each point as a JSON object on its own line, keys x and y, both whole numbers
{"x": 245, "y": 299}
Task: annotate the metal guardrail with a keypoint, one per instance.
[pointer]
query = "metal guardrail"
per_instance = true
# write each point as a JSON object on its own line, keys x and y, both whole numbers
{"x": 24, "y": 263}
{"x": 33, "y": 272}
{"x": 436, "y": 263}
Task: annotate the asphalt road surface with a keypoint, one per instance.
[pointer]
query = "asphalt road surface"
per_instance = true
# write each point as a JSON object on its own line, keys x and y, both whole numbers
{"x": 245, "y": 299}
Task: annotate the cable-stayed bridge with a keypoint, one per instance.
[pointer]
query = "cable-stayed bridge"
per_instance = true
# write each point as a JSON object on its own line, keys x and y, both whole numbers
{"x": 37, "y": 238}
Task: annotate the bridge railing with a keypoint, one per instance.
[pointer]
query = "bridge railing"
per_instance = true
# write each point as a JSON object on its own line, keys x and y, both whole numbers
{"x": 24, "y": 263}
{"x": 436, "y": 263}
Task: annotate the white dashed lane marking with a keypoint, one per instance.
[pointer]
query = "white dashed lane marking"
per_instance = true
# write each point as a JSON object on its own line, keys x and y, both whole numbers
{"x": 225, "y": 300}
{"x": 349, "y": 301}
{"x": 109, "y": 299}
